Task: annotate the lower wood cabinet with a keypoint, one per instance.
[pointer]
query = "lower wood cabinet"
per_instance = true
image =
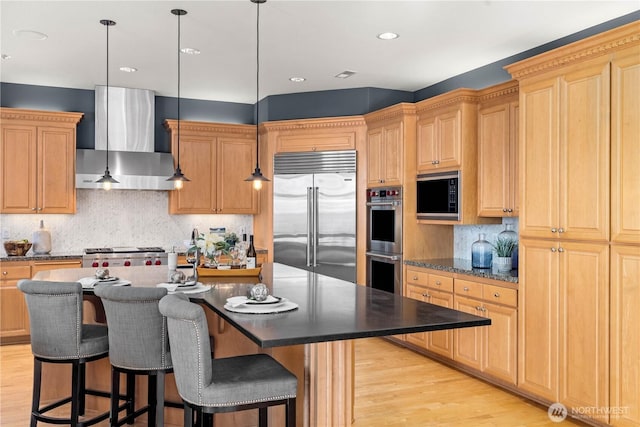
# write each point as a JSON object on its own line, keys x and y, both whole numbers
{"x": 490, "y": 349}
{"x": 14, "y": 317}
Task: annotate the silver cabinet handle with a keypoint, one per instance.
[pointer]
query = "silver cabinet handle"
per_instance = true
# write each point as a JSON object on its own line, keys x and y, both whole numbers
{"x": 426, "y": 295}
{"x": 560, "y": 230}
{"x": 415, "y": 277}
{"x": 560, "y": 249}
{"x": 509, "y": 210}
{"x": 466, "y": 289}
{"x": 478, "y": 308}
{"x": 377, "y": 255}
{"x": 438, "y": 282}
{"x": 504, "y": 210}
{"x": 4, "y": 273}
{"x": 553, "y": 230}
{"x": 309, "y": 223}
{"x": 553, "y": 249}
{"x": 33, "y": 209}
{"x": 497, "y": 295}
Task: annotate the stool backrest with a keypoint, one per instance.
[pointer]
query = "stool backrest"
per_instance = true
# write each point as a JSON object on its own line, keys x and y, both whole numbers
{"x": 55, "y": 317}
{"x": 137, "y": 331}
{"x": 189, "y": 338}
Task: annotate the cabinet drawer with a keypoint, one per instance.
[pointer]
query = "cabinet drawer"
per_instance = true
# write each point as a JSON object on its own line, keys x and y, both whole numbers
{"x": 442, "y": 283}
{"x": 418, "y": 277}
{"x": 468, "y": 288}
{"x": 15, "y": 272}
{"x": 500, "y": 295}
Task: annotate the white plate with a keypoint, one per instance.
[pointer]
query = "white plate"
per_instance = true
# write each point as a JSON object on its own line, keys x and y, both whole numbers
{"x": 240, "y": 300}
{"x": 285, "y": 305}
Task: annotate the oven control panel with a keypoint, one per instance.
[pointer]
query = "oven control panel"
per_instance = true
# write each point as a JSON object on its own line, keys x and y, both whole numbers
{"x": 382, "y": 194}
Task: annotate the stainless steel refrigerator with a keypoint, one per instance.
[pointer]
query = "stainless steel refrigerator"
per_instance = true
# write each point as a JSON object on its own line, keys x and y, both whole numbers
{"x": 314, "y": 212}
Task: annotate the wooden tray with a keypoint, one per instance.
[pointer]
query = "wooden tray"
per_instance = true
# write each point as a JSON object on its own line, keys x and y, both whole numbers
{"x": 209, "y": 272}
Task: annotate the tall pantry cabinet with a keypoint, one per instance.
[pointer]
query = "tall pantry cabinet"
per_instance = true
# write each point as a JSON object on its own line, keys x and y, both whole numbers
{"x": 579, "y": 289}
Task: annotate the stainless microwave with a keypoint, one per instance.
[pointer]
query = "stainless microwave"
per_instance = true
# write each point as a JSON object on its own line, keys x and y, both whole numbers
{"x": 438, "y": 196}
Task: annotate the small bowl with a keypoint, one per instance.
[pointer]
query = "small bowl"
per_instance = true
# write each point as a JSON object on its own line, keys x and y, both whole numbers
{"x": 17, "y": 248}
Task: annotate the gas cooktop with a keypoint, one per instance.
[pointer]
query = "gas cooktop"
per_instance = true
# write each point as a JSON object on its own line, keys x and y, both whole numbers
{"x": 123, "y": 250}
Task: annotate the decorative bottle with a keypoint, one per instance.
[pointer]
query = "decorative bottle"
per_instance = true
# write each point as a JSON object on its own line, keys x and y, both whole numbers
{"x": 251, "y": 254}
{"x": 41, "y": 240}
{"x": 481, "y": 253}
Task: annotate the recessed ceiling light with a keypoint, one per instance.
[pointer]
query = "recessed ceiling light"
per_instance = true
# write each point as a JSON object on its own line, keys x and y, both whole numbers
{"x": 297, "y": 79}
{"x": 190, "y": 51}
{"x": 5, "y": 56}
{"x": 30, "y": 34}
{"x": 388, "y": 36}
{"x": 345, "y": 74}
{"x": 128, "y": 69}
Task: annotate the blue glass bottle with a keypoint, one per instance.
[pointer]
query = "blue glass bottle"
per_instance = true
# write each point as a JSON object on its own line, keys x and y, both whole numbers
{"x": 481, "y": 253}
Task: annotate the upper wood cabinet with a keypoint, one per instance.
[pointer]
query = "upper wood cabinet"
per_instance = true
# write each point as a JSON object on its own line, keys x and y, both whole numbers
{"x": 625, "y": 146}
{"x": 446, "y": 131}
{"x": 217, "y": 158}
{"x": 387, "y": 133}
{"x": 37, "y": 154}
{"x": 498, "y": 150}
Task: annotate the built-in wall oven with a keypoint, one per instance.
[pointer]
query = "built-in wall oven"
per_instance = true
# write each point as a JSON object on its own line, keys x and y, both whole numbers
{"x": 384, "y": 239}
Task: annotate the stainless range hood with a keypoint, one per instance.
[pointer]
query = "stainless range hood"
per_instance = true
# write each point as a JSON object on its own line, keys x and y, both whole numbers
{"x": 132, "y": 160}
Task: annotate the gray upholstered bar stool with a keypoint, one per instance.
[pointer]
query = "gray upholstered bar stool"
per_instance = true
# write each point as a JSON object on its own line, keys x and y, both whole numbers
{"x": 138, "y": 345}
{"x": 221, "y": 385}
{"x": 59, "y": 336}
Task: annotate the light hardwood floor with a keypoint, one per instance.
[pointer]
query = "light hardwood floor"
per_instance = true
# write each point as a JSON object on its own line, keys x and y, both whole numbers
{"x": 394, "y": 387}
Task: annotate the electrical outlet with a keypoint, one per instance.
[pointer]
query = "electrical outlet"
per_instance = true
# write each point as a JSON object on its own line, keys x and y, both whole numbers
{"x": 5, "y": 233}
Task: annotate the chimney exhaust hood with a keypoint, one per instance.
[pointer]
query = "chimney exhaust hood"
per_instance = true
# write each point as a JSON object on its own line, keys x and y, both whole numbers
{"x": 132, "y": 160}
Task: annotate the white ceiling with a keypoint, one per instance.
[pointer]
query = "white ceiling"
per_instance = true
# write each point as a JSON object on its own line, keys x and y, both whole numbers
{"x": 312, "y": 39}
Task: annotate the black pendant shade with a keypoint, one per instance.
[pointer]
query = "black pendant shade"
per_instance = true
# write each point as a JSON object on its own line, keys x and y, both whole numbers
{"x": 257, "y": 176}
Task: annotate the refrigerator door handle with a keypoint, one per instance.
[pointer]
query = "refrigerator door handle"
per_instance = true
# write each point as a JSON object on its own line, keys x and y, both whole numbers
{"x": 309, "y": 223}
{"x": 315, "y": 227}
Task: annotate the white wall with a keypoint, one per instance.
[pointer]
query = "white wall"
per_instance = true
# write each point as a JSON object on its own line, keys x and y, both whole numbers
{"x": 119, "y": 218}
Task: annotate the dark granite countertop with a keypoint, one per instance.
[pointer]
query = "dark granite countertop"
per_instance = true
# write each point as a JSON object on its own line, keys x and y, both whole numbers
{"x": 46, "y": 257}
{"x": 463, "y": 266}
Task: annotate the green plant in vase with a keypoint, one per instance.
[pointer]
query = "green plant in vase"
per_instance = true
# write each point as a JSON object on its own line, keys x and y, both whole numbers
{"x": 504, "y": 247}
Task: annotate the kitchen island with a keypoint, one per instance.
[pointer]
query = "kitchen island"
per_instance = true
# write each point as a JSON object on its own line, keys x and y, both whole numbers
{"x": 313, "y": 341}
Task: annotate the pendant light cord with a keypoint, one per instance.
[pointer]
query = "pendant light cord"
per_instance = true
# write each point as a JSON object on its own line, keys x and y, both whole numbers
{"x": 178, "y": 165}
{"x": 107, "y": 165}
{"x": 257, "y": 85}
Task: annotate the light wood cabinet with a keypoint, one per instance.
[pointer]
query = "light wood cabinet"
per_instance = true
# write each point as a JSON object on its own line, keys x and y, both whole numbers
{"x": 389, "y": 132}
{"x": 490, "y": 349}
{"x": 14, "y": 318}
{"x": 564, "y": 321}
{"x": 446, "y": 131}
{"x": 437, "y": 289}
{"x": 625, "y": 335}
{"x": 37, "y": 154}
{"x": 625, "y": 147}
{"x": 498, "y": 150}
{"x": 217, "y": 158}
{"x": 564, "y": 154}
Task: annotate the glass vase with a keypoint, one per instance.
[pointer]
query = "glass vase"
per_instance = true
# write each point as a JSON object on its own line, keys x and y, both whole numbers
{"x": 481, "y": 253}
{"x": 508, "y": 233}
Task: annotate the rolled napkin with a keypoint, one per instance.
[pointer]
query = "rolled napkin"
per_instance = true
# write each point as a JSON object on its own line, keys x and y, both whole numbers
{"x": 88, "y": 282}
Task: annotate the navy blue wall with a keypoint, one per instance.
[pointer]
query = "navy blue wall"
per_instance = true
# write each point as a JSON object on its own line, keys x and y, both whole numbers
{"x": 332, "y": 103}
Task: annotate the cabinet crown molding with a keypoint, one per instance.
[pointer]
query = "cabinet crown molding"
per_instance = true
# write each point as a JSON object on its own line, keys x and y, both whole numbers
{"x": 598, "y": 45}
{"x": 320, "y": 123}
{"x": 390, "y": 113}
{"x": 226, "y": 128}
{"x": 40, "y": 115}
{"x": 457, "y": 96}
{"x": 512, "y": 87}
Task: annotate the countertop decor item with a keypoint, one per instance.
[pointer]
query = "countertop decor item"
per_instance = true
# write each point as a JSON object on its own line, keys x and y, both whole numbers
{"x": 481, "y": 253}
{"x": 504, "y": 247}
{"x": 17, "y": 247}
{"x": 41, "y": 240}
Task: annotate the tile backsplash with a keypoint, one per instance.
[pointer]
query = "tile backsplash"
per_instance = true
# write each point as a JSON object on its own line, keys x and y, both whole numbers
{"x": 465, "y": 235}
{"x": 118, "y": 218}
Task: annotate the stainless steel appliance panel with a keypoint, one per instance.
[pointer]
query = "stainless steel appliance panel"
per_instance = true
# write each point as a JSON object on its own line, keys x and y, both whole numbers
{"x": 384, "y": 220}
{"x": 384, "y": 272}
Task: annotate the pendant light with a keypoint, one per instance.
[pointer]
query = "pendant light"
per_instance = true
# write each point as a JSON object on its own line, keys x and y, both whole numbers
{"x": 178, "y": 178}
{"x": 106, "y": 180}
{"x": 257, "y": 176}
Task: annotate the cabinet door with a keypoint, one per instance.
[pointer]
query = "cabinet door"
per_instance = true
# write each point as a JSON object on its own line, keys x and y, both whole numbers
{"x": 539, "y": 158}
{"x": 197, "y": 161}
{"x": 538, "y": 318}
{"x": 449, "y": 130}
{"x": 625, "y": 334}
{"x": 427, "y": 150}
{"x": 494, "y": 161}
{"x": 14, "y": 317}
{"x": 468, "y": 341}
{"x": 418, "y": 293}
{"x": 583, "y": 323}
{"x": 441, "y": 342}
{"x": 236, "y": 161}
{"x": 374, "y": 157}
{"x": 392, "y": 154}
{"x": 584, "y": 153}
{"x": 499, "y": 355}
{"x": 18, "y": 161}
{"x": 56, "y": 168}
{"x": 625, "y": 147}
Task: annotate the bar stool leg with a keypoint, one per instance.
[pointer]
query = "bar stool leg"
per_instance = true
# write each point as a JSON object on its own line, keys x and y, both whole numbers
{"x": 188, "y": 416}
{"x": 291, "y": 412}
{"x": 131, "y": 396}
{"x": 262, "y": 417}
{"x": 81, "y": 383}
{"x": 75, "y": 392}
{"x": 35, "y": 397}
{"x": 160, "y": 398}
{"x": 115, "y": 397}
{"x": 151, "y": 395}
